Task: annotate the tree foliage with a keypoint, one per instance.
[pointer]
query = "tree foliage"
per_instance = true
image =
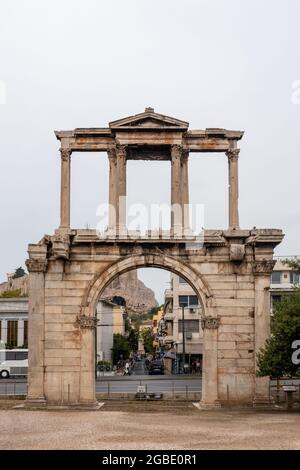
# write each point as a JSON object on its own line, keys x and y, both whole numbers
{"x": 294, "y": 264}
{"x": 147, "y": 337}
{"x": 133, "y": 339}
{"x": 9, "y": 294}
{"x": 19, "y": 272}
{"x": 275, "y": 359}
{"x": 121, "y": 348}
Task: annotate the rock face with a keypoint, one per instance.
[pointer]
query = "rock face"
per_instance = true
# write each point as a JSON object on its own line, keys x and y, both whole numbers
{"x": 139, "y": 298}
{"x": 13, "y": 284}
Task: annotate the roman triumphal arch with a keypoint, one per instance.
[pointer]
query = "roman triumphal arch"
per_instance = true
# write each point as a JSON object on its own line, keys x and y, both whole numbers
{"x": 230, "y": 269}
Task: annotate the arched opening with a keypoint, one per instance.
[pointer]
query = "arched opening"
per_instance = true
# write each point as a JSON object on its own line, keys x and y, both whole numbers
{"x": 175, "y": 331}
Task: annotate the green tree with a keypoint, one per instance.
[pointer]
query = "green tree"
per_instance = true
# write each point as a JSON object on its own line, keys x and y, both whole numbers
{"x": 275, "y": 359}
{"x": 294, "y": 264}
{"x": 152, "y": 311}
{"x": 19, "y": 272}
{"x": 121, "y": 348}
{"x": 8, "y": 294}
{"x": 147, "y": 340}
{"x": 133, "y": 339}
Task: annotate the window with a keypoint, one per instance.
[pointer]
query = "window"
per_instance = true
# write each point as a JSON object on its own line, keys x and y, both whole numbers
{"x": 188, "y": 300}
{"x": 276, "y": 277}
{"x": 193, "y": 301}
{"x": 169, "y": 327}
{"x": 182, "y": 281}
{"x": 12, "y": 333}
{"x": 25, "y": 342}
{"x": 21, "y": 355}
{"x": 190, "y": 326}
{"x": 183, "y": 300}
{"x": 294, "y": 278}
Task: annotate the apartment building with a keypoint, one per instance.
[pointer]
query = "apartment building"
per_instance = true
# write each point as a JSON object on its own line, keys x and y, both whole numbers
{"x": 283, "y": 281}
{"x": 180, "y": 333}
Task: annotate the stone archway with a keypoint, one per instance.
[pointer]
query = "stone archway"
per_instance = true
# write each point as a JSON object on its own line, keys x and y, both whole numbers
{"x": 107, "y": 275}
{"x": 88, "y": 308}
{"x": 229, "y": 270}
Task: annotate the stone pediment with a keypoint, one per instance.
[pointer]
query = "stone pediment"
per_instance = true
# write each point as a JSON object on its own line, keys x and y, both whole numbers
{"x": 149, "y": 120}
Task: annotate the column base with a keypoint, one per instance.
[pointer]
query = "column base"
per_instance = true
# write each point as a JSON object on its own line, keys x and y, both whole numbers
{"x": 216, "y": 405}
{"x": 263, "y": 403}
{"x": 42, "y": 404}
{"x": 35, "y": 403}
{"x": 93, "y": 406}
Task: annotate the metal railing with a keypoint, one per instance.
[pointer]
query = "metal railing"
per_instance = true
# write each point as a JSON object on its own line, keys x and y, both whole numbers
{"x": 13, "y": 387}
{"x": 277, "y": 388}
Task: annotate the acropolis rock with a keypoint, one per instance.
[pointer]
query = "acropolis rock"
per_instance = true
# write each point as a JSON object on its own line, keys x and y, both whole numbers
{"x": 139, "y": 298}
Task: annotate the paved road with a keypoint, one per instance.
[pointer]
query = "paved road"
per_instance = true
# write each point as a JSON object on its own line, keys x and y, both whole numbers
{"x": 155, "y": 383}
{"x": 139, "y": 368}
{"x": 121, "y": 384}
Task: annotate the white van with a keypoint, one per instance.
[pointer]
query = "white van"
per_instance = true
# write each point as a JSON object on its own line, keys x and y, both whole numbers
{"x": 13, "y": 363}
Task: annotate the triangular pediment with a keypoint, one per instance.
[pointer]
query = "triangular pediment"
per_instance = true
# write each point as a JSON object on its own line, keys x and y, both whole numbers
{"x": 149, "y": 120}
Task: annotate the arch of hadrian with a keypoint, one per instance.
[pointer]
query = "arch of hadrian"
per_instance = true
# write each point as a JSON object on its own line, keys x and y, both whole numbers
{"x": 68, "y": 270}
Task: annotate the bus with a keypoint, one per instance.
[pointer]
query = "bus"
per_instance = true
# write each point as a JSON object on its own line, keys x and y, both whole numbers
{"x": 13, "y": 363}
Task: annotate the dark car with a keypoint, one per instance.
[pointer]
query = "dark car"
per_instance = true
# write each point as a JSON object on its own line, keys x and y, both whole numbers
{"x": 156, "y": 367}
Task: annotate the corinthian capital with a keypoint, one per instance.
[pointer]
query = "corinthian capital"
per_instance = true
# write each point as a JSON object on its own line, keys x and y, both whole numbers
{"x": 233, "y": 154}
{"x": 65, "y": 154}
{"x": 36, "y": 265}
{"x": 121, "y": 150}
{"x": 111, "y": 153}
{"x": 210, "y": 323}
{"x": 176, "y": 151}
{"x": 86, "y": 322}
{"x": 185, "y": 154}
{"x": 264, "y": 266}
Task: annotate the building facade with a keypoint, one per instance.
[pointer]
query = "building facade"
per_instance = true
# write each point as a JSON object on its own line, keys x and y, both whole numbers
{"x": 111, "y": 320}
{"x": 283, "y": 280}
{"x": 14, "y": 322}
{"x": 180, "y": 332}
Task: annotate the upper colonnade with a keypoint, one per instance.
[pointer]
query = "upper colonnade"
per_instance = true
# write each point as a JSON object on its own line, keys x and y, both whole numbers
{"x": 149, "y": 136}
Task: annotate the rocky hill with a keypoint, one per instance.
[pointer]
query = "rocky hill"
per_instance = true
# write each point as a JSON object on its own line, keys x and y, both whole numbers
{"x": 139, "y": 298}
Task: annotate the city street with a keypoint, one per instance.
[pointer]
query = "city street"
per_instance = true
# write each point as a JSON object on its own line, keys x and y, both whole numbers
{"x": 155, "y": 383}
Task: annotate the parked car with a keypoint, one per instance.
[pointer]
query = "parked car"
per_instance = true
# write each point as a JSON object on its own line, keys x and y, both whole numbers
{"x": 156, "y": 367}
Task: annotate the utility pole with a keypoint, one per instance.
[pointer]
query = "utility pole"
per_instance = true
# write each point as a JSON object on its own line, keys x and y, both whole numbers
{"x": 183, "y": 337}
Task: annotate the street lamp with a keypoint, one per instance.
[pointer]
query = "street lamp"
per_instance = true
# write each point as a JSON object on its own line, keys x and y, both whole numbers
{"x": 182, "y": 305}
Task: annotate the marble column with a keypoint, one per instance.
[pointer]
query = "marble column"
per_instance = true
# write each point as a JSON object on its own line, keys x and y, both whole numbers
{"x": 113, "y": 188}
{"x": 3, "y": 331}
{"x": 36, "y": 331}
{"x": 121, "y": 188}
{"x": 65, "y": 188}
{"x": 87, "y": 392}
{"x": 262, "y": 273}
{"x": 185, "y": 191}
{"x": 176, "y": 199}
{"x": 20, "y": 333}
{"x": 233, "y": 156}
{"x": 210, "y": 395}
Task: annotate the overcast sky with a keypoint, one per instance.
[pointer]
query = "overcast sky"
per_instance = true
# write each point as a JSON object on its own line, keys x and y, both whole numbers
{"x": 213, "y": 63}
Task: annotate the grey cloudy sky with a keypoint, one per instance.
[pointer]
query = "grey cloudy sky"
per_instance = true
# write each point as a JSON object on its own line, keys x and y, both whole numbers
{"x": 214, "y": 63}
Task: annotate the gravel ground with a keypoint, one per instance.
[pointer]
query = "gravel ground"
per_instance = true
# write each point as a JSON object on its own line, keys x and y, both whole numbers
{"x": 136, "y": 429}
